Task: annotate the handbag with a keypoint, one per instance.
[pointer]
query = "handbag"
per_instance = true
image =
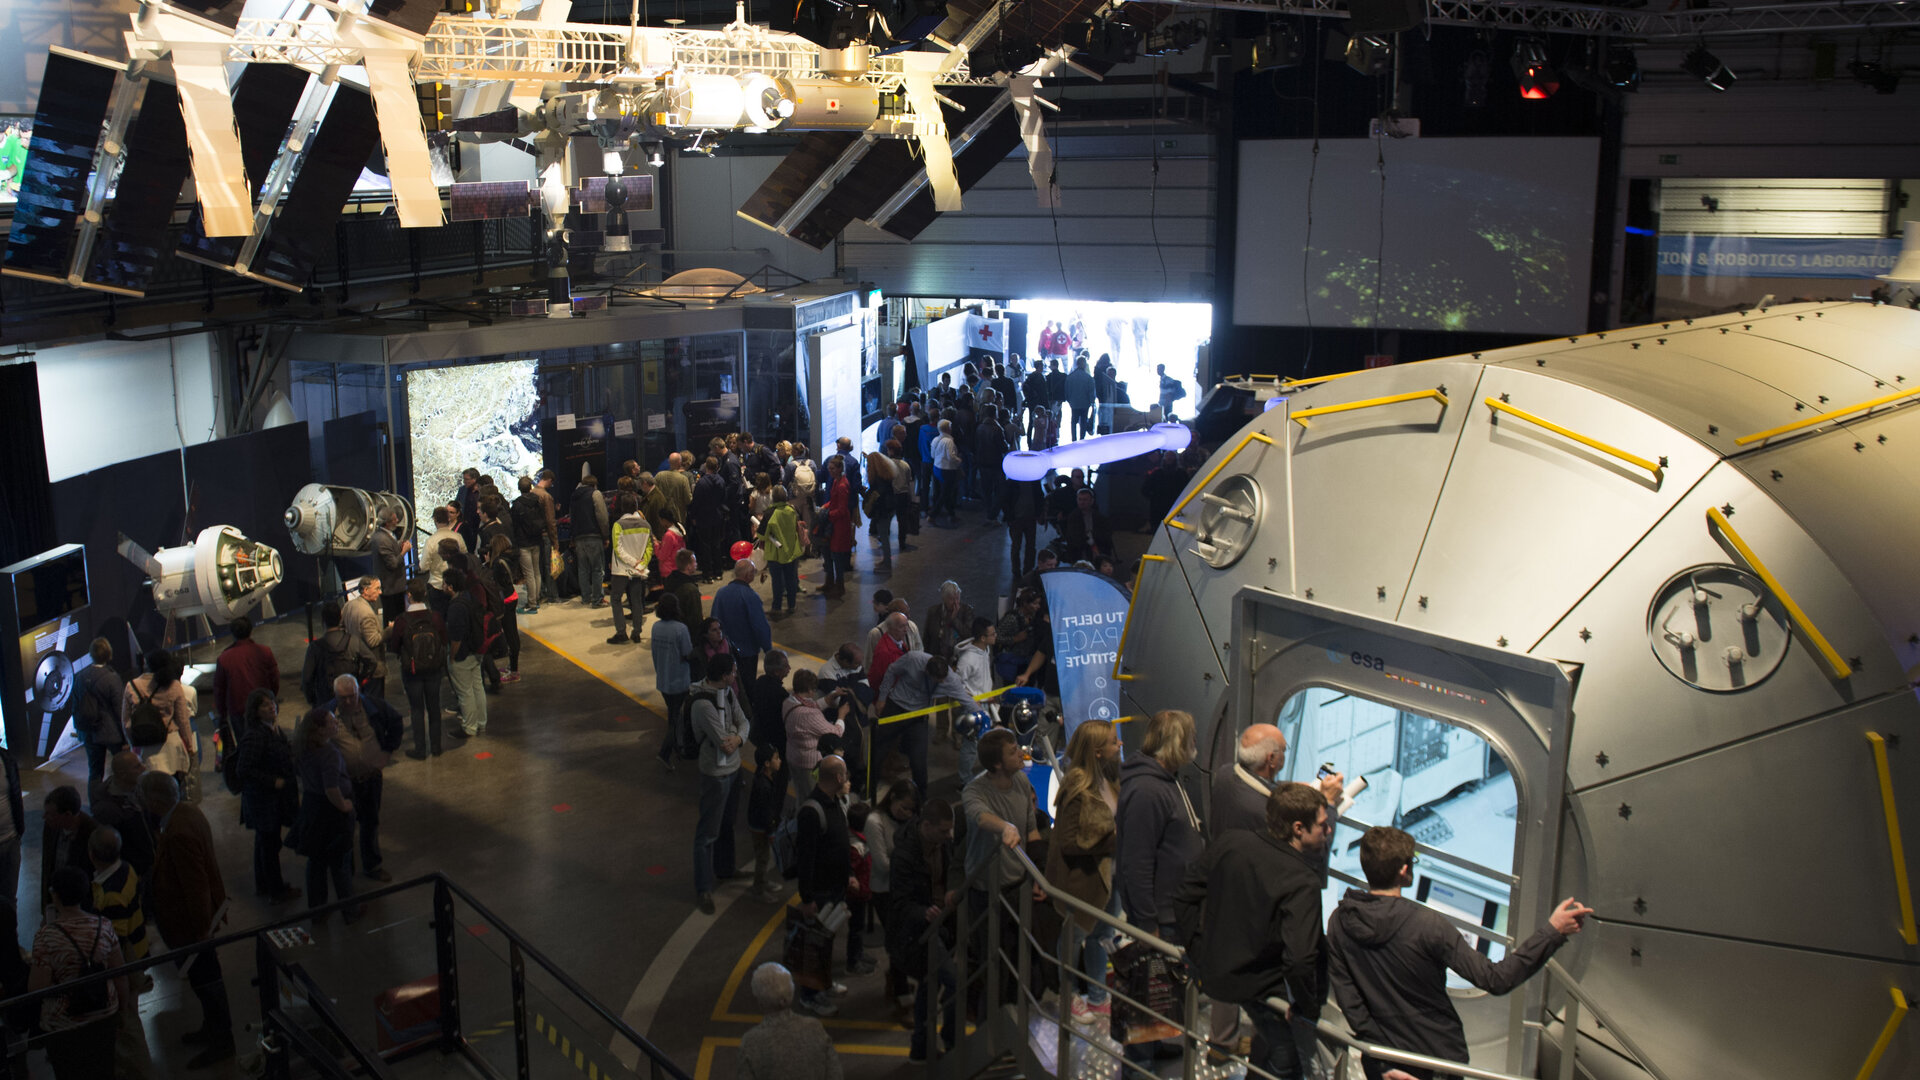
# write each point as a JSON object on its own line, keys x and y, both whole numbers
{"x": 1151, "y": 977}
{"x": 809, "y": 951}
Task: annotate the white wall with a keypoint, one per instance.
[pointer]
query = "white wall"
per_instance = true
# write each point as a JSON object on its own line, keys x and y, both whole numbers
{"x": 707, "y": 192}
{"x": 110, "y": 401}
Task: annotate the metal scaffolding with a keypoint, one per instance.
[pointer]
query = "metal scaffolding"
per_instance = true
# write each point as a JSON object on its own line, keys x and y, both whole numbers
{"x": 1645, "y": 24}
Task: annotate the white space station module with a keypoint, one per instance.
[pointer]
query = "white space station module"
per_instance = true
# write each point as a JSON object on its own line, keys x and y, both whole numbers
{"x": 1629, "y": 616}
{"x": 222, "y": 574}
{"x": 326, "y": 519}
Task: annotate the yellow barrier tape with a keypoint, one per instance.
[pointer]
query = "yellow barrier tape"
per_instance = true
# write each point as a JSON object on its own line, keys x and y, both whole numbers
{"x": 931, "y": 709}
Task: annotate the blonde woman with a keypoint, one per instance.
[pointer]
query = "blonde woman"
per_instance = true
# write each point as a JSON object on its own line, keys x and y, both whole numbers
{"x": 1080, "y": 856}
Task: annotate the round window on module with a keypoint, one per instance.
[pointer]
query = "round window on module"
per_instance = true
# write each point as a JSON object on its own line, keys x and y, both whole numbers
{"x": 1717, "y": 627}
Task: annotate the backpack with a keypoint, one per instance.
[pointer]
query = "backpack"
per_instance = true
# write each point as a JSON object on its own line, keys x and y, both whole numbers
{"x": 388, "y": 730}
{"x": 146, "y": 725}
{"x": 337, "y": 662}
{"x": 529, "y": 520}
{"x": 493, "y": 617}
{"x": 686, "y": 736}
{"x": 786, "y": 839}
{"x": 420, "y": 650}
{"x": 90, "y": 999}
{"x": 803, "y": 479}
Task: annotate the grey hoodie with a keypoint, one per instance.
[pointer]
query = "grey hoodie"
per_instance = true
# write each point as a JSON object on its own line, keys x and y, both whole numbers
{"x": 1389, "y": 960}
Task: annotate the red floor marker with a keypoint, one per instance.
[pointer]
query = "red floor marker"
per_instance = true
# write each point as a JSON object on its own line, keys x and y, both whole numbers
{"x": 623, "y": 719}
{"x": 561, "y": 808}
{"x": 482, "y": 755}
{"x": 656, "y": 869}
{"x": 478, "y": 929}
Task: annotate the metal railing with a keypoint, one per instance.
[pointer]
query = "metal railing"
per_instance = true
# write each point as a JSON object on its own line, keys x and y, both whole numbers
{"x": 1006, "y": 1027}
{"x": 283, "y": 1035}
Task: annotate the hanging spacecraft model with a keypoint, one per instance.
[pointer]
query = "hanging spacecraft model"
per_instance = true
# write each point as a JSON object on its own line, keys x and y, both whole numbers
{"x": 1627, "y": 616}
{"x": 221, "y": 575}
{"x": 329, "y": 520}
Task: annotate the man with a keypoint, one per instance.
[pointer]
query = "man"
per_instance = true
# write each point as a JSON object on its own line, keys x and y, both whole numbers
{"x": 64, "y": 830}
{"x": 912, "y": 639}
{"x": 97, "y": 694}
{"x": 1022, "y": 502}
{"x": 361, "y": 618}
{"x": 707, "y": 528}
{"x": 847, "y": 665}
{"x": 1001, "y": 817}
{"x": 390, "y": 559}
{"x": 1080, "y": 393}
{"x": 1047, "y": 560}
{"x": 1088, "y": 534}
{"x": 785, "y": 1045}
{"x": 632, "y": 551}
{"x": 674, "y": 487}
{"x": 1389, "y": 959}
{"x": 1240, "y": 794}
{"x": 721, "y": 728}
{"x": 823, "y": 851}
{"x": 466, "y": 500}
{"x": 119, "y": 808}
{"x": 420, "y": 637}
{"x": 529, "y": 532}
{"x": 950, "y": 621}
{"x": 973, "y": 666}
{"x": 989, "y": 456}
{"x": 922, "y": 859}
{"x": 550, "y": 539}
{"x": 1170, "y": 391}
{"x": 651, "y": 500}
{"x": 948, "y": 462}
{"x": 888, "y": 642}
{"x": 189, "y": 904}
{"x": 1056, "y": 389}
{"x": 463, "y": 655}
{"x": 430, "y": 562}
{"x": 881, "y": 602}
{"x": 1249, "y": 913}
{"x": 335, "y": 652}
{"x": 368, "y": 725}
{"x": 743, "y": 619}
{"x": 913, "y": 682}
{"x": 1034, "y": 390}
{"x": 684, "y": 585}
{"x": 588, "y": 512}
{"x": 843, "y": 449}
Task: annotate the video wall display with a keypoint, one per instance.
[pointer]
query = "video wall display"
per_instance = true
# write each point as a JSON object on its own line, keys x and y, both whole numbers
{"x": 16, "y": 134}
{"x": 1139, "y": 337}
{"x": 479, "y": 416}
{"x": 1485, "y": 234}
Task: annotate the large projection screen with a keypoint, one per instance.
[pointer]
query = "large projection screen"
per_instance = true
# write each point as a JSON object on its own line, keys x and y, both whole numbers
{"x": 1489, "y": 235}
{"x": 482, "y": 416}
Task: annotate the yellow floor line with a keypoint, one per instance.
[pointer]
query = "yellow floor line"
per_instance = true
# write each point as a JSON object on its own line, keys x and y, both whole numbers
{"x": 589, "y": 669}
{"x": 723, "y": 1008}
{"x": 703, "y": 1066}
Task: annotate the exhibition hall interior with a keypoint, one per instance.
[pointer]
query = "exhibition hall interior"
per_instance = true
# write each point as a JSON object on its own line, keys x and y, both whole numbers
{"x": 1210, "y": 538}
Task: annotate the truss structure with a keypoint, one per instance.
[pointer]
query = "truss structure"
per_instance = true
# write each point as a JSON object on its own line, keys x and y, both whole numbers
{"x": 1644, "y": 24}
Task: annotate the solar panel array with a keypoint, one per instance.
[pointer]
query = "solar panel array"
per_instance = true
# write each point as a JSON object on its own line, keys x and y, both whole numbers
{"x": 133, "y": 233}
{"x": 302, "y": 232}
{"x": 53, "y": 188}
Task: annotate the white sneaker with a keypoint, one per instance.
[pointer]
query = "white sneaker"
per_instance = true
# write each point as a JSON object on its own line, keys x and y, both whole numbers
{"x": 839, "y": 990}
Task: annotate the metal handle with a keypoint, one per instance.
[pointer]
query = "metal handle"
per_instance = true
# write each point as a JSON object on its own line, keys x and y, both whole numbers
{"x": 1815, "y": 421}
{"x": 1895, "y": 845}
{"x": 1886, "y": 1036}
{"x": 1126, "y": 623}
{"x": 1840, "y": 668}
{"x": 1368, "y": 403}
{"x": 1657, "y": 468}
{"x": 1251, "y": 437}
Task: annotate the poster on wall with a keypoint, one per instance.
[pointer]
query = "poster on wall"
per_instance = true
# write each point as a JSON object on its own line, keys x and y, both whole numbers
{"x": 480, "y": 416}
{"x": 1089, "y": 611}
{"x": 835, "y": 372}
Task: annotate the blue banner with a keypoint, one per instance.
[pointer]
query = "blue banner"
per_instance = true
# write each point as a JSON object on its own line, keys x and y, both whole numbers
{"x": 1691, "y": 255}
{"x": 1088, "y": 611}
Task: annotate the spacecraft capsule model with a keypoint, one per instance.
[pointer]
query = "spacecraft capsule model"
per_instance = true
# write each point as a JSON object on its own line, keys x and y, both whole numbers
{"x": 1626, "y": 616}
{"x": 326, "y": 519}
{"x": 221, "y": 575}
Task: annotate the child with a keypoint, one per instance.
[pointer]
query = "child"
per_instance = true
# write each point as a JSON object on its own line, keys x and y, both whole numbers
{"x": 859, "y": 892}
{"x": 764, "y": 801}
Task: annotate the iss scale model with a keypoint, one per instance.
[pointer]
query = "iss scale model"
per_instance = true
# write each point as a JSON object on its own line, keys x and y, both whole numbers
{"x": 1658, "y": 576}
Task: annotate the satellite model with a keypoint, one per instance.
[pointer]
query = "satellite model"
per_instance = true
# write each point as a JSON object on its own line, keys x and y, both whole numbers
{"x": 329, "y": 520}
{"x": 221, "y": 575}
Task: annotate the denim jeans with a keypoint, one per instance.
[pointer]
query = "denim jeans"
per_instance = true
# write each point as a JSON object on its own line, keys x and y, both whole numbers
{"x": 628, "y": 592}
{"x": 1090, "y": 948}
{"x": 473, "y": 696}
{"x": 786, "y": 583}
{"x": 675, "y": 702}
{"x": 1291, "y": 1043}
{"x": 530, "y": 568}
{"x": 949, "y": 491}
{"x": 713, "y": 836}
{"x": 267, "y": 879}
{"x": 590, "y": 565}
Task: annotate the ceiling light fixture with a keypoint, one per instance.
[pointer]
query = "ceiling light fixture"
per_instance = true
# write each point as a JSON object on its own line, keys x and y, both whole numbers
{"x": 1538, "y": 79}
{"x": 1707, "y": 67}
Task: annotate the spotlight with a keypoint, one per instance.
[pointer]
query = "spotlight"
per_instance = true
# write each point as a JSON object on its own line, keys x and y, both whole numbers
{"x": 1707, "y": 67}
{"x": 1369, "y": 55}
{"x": 1538, "y": 80}
{"x": 1622, "y": 68}
{"x": 1871, "y": 73}
{"x": 1279, "y": 47}
{"x": 1712, "y": 204}
{"x": 1475, "y": 72}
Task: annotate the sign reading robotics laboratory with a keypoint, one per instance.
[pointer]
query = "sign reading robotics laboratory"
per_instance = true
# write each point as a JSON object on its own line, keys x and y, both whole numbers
{"x": 1088, "y": 611}
{"x": 1691, "y": 255}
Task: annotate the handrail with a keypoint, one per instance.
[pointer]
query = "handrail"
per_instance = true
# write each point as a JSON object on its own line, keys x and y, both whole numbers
{"x": 1886, "y": 1036}
{"x": 1126, "y": 622}
{"x": 1821, "y": 418}
{"x": 1897, "y": 847}
{"x": 1443, "y": 856}
{"x": 1250, "y": 438}
{"x": 1657, "y": 468}
{"x": 1099, "y": 914}
{"x": 1466, "y": 925}
{"x": 1388, "y": 1053}
{"x": 1315, "y": 380}
{"x": 1368, "y": 403}
{"x": 1573, "y": 989}
{"x": 1839, "y": 667}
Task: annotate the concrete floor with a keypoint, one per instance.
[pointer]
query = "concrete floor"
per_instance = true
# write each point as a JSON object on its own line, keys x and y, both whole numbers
{"x": 561, "y": 822}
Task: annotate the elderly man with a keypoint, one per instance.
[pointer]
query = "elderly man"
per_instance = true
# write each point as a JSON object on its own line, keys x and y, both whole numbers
{"x": 895, "y": 637}
{"x": 949, "y": 623}
{"x": 786, "y": 1045}
{"x": 369, "y": 731}
{"x": 1240, "y": 795}
{"x": 913, "y": 682}
{"x": 189, "y": 904}
{"x": 743, "y": 619}
{"x": 361, "y": 618}
{"x": 823, "y": 852}
{"x": 675, "y": 488}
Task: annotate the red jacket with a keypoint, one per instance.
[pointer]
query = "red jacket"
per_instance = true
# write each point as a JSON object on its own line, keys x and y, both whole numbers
{"x": 840, "y": 512}
{"x": 242, "y": 668}
{"x": 885, "y": 652}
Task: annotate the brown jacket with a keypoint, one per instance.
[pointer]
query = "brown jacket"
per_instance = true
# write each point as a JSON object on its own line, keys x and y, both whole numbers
{"x": 187, "y": 889}
{"x": 1080, "y": 854}
{"x": 546, "y": 506}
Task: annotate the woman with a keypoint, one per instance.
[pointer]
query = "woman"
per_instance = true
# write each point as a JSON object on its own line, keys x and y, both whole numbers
{"x": 840, "y": 514}
{"x": 162, "y": 687}
{"x": 269, "y": 791}
{"x": 666, "y": 546}
{"x": 904, "y": 509}
{"x": 806, "y": 722}
{"x": 899, "y": 804}
{"x": 1080, "y": 855}
{"x": 503, "y": 562}
{"x": 760, "y": 500}
{"x": 712, "y": 643}
{"x": 325, "y": 825}
{"x": 79, "y": 1026}
{"x": 879, "y": 507}
{"x": 672, "y": 651}
{"x": 780, "y": 537}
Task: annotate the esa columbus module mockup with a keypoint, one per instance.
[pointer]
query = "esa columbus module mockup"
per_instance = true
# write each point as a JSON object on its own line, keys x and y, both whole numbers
{"x": 1637, "y": 606}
